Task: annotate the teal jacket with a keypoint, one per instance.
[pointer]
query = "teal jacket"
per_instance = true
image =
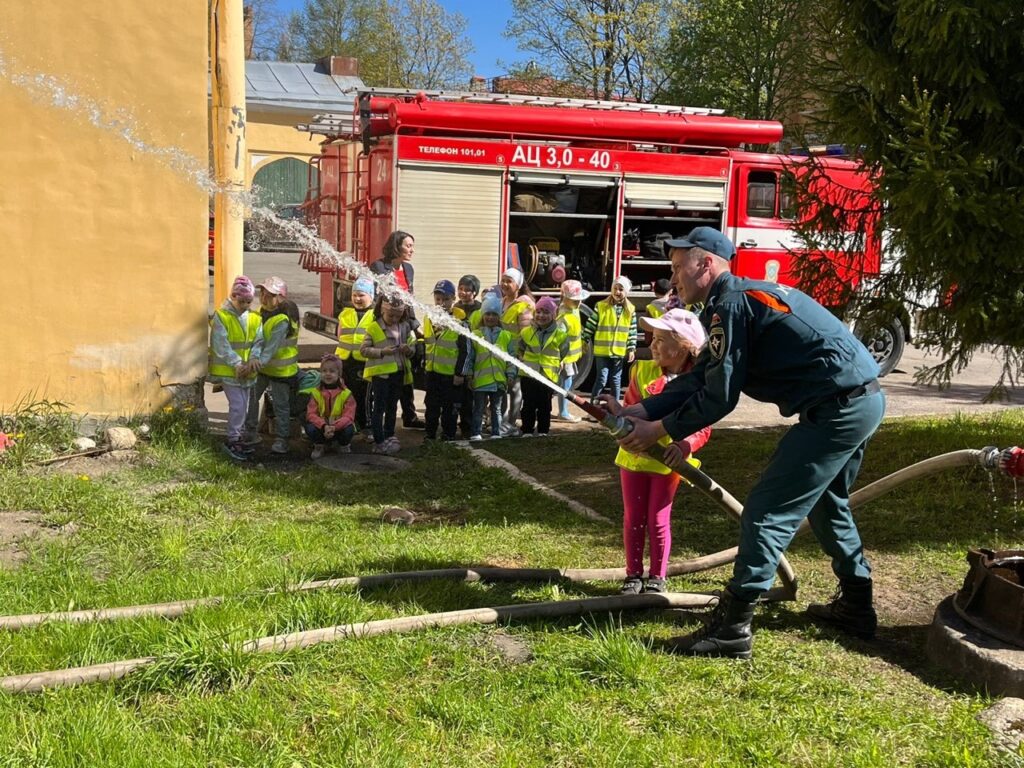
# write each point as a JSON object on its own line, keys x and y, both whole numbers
{"x": 772, "y": 343}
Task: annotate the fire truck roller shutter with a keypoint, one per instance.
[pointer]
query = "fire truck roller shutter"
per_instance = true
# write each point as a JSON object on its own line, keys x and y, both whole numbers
{"x": 699, "y": 195}
{"x": 455, "y": 216}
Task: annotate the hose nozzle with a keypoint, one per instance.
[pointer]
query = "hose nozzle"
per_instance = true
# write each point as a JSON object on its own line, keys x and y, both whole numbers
{"x": 1011, "y": 461}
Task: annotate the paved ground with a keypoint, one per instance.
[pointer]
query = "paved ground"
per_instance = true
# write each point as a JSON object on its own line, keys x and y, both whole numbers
{"x": 905, "y": 398}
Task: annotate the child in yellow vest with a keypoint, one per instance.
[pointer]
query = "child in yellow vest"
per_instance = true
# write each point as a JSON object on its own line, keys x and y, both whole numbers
{"x": 611, "y": 333}
{"x": 516, "y": 314}
{"x": 388, "y": 349}
{"x": 445, "y": 356}
{"x": 330, "y": 415}
{"x": 352, "y": 322}
{"x": 488, "y": 374}
{"x": 648, "y": 486}
{"x": 277, "y": 363}
{"x": 569, "y": 316}
{"x": 542, "y": 347}
{"x": 469, "y": 307}
{"x": 236, "y": 335}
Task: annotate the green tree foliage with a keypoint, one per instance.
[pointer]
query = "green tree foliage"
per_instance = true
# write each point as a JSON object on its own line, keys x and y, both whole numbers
{"x": 610, "y": 48}
{"x": 399, "y": 43}
{"x": 748, "y": 57}
{"x": 932, "y": 94}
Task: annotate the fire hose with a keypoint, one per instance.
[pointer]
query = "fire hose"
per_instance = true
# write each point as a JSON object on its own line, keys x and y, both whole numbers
{"x": 1010, "y": 461}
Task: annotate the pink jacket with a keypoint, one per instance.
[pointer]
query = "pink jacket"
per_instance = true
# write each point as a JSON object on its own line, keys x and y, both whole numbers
{"x": 348, "y": 412}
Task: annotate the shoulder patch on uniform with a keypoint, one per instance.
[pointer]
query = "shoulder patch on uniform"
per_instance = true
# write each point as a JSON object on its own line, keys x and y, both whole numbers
{"x": 716, "y": 342}
{"x": 715, "y": 319}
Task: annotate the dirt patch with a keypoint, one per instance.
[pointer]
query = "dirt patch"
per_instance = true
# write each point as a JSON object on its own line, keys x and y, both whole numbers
{"x": 96, "y": 466}
{"x": 19, "y": 528}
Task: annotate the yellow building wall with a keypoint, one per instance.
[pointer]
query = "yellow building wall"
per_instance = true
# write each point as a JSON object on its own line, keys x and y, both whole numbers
{"x": 105, "y": 248}
{"x": 272, "y": 136}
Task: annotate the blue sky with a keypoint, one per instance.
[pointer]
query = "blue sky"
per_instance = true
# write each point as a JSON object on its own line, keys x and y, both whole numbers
{"x": 486, "y": 19}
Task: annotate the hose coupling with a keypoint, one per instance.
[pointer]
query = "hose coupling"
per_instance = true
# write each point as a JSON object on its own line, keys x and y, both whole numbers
{"x": 1011, "y": 461}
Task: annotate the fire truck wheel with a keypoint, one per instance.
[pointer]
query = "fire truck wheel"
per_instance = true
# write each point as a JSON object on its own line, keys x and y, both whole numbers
{"x": 884, "y": 341}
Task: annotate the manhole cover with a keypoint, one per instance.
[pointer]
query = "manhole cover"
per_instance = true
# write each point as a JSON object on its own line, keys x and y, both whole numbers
{"x": 361, "y": 462}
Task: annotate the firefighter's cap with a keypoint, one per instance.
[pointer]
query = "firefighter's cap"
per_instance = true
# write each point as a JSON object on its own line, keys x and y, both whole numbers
{"x": 707, "y": 238}
{"x": 447, "y": 287}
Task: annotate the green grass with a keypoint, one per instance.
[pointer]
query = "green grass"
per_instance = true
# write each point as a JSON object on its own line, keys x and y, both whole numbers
{"x": 594, "y": 693}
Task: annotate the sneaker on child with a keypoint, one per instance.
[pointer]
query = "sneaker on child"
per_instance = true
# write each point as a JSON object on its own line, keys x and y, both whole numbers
{"x": 317, "y": 452}
{"x": 280, "y": 446}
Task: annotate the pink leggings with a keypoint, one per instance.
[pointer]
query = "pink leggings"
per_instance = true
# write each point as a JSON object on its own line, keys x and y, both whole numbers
{"x": 647, "y": 502}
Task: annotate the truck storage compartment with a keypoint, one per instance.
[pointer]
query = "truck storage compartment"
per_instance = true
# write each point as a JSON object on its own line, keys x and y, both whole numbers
{"x": 562, "y": 227}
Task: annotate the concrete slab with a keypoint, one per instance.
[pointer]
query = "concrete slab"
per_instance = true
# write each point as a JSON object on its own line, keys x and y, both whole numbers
{"x": 973, "y": 656}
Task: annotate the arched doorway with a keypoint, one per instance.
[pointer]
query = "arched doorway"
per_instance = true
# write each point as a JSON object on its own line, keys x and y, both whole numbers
{"x": 283, "y": 182}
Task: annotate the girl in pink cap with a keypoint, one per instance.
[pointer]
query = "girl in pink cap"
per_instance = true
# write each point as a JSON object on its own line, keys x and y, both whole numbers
{"x": 648, "y": 486}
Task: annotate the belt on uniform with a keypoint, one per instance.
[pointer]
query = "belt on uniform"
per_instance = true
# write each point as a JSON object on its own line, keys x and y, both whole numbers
{"x": 869, "y": 388}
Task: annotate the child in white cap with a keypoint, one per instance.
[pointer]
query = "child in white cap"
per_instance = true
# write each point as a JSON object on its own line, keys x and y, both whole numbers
{"x": 648, "y": 486}
{"x": 516, "y": 314}
{"x": 569, "y": 318}
{"x": 277, "y": 363}
{"x": 352, "y": 322}
{"x": 236, "y": 337}
{"x": 611, "y": 333}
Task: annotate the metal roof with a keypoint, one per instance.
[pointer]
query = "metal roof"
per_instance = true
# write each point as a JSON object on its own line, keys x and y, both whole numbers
{"x": 298, "y": 86}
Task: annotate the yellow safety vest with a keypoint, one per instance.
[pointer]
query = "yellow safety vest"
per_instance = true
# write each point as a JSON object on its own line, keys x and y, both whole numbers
{"x": 510, "y": 317}
{"x": 285, "y": 362}
{"x": 351, "y": 332}
{"x": 612, "y": 333}
{"x": 388, "y": 364}
{"x": 645, "y": 373}
{"x": 546, "y": 358}
{"x": 476, "y": 319}
{"x": 337, "y": 407}
{"x": 655, "y": 309}
{"x": 570, "y": 319}
{"x": 241, "y": 341}
{"x": 488, "y": 368}
{"x": 442, "y": 349}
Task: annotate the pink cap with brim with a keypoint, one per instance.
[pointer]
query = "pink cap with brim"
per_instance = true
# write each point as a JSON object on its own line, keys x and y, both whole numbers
{"x": 548, "y": 304}
{"x": 275, "y": 285}
{"x": 681, "y": 322}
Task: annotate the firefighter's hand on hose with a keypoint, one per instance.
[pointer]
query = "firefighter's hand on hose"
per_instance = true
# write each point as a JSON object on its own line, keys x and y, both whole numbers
{"x": 645, "y": 435}
{"x": 676, "y": 455}
{"x": 610, "y": 404}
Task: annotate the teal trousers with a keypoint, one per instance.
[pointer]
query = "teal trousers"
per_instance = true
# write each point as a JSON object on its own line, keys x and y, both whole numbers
{"x": 810, "y": 476}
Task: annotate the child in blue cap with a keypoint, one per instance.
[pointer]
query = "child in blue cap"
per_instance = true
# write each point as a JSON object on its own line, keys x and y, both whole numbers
{"x": 489, "y": 375}
{"x": 445, "y": 357}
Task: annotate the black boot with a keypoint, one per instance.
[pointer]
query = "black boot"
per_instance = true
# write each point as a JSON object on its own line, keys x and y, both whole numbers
{"x": 851, "y": 609}
{"x": 727, "y": 634}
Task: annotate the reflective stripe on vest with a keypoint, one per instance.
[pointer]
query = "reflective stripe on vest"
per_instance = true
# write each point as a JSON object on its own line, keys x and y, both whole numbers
{"x": 546, "y": 358}
{"x": 351, "y": 332}
{"x": 388, "y": 364}
{"x": 570, "y": 319}
{"x": 510, "y": 317}
{"x": 442, "y": 350}
{"x": 488, "y": 368}
{"x": 240, "y": 341}
{"x": 336, "y": 408}
{"x": 285, "y": 362}
{"x": 612, "y": 333}
{"x": 645, "y": 373}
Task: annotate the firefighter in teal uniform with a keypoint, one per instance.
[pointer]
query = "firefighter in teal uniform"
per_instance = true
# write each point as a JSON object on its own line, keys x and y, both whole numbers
{"x": 777, "y": 345}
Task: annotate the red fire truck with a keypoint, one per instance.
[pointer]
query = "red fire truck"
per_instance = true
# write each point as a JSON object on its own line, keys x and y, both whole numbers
{"x": 563, "y": 188}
